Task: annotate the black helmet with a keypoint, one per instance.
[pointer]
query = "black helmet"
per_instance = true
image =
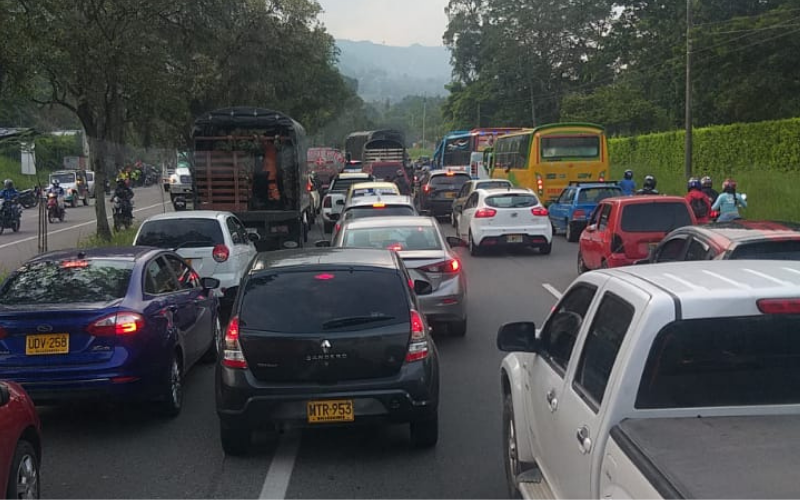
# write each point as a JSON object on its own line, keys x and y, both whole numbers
{"x": 693, "y": 183}
{"x": 121, "y": 182}
{"x": 707, "y": 182}
{"x": 649, "y": 182}
{"x": 629, "y": 174}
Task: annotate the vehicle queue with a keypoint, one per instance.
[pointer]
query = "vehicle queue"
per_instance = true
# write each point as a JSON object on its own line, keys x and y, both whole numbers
{"x": 295, "y": 340}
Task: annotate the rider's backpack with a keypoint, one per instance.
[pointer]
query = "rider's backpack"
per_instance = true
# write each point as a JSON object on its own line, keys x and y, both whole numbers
{"x": 699, "y": 207}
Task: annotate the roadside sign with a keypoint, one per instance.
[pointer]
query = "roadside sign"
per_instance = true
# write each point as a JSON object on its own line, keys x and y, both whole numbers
{"x": 28, "y": 159}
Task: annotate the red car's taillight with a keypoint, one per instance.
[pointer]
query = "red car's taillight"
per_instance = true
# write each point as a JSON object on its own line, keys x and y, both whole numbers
{"x": 418, "y": 347}
{"x": 485, "y": 213}
{"x": 448, "y": 266}
{"x": 327, "y": 202}
{"x": 123, "y": 323}
{"x": 539, "y": 211}
{"x": 233, "y": 356}
{"x": 221, "y": 253}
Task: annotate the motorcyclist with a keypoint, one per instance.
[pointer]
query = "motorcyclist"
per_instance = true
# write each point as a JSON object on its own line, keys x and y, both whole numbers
{"x": 627, "y": 184}
{"x": 648, "y": 187}
{"x": 729, "y": 201}
{"x": 55, "y": 187}
{"x": 9, "y": 192}
{"x": 708, "y": 189}
{"x": 125, "y": 195}
{"x": 701, "y": 205}
{"x": 400, "y": 182}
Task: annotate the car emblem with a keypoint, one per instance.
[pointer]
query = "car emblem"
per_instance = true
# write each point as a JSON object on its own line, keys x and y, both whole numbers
{"x": 44, "y": 328}
{"x": 514, "y": 214}
{"x": 326, "y": 346}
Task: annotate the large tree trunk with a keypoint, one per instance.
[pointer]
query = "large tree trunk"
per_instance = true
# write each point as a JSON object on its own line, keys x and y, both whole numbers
{"x": 97, "y": 150}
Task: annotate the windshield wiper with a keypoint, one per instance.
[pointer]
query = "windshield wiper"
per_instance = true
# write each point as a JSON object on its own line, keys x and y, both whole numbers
{"x": 353, "y": 320}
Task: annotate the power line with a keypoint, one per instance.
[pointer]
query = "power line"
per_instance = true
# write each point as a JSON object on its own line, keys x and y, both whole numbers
{"x": 743, "y": 18}
{"x": 736, "y": 39}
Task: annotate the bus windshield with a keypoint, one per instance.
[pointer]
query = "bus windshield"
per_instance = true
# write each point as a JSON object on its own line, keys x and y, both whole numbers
{"x": 457, "y": 152}
{"x": 565, "y": 147}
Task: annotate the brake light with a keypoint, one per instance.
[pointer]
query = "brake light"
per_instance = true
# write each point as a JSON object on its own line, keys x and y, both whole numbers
{"x": 427, "y": 188}
{"x": 602, "y": 176}
{"x": 617, "y": 245}
{"x": 418, "y": 347}
{"x": 485, "y": 213}
{"x": 539, "y": 211}
{"x": 220, "y": 253}
{"x": 379, "y": 205}
{"x": 779, "y": 306}
{"x": 74, "y": 264}
{"x": 450, "y": 174}
{"x": 447, "y": 266}
{"x": 579, "y": 214}
{"x": 396, "y": 247}
{"x": 309, "y": 187}
{"x": 337, "y": 227}
{"x": 233, "y": 357}
{"x": 124, "y": 323}
{"x": 540, "y": 183}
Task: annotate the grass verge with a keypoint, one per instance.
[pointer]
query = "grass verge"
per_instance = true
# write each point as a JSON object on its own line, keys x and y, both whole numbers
{"x": 118, "y": 239}
{"x": 415, "y": 153}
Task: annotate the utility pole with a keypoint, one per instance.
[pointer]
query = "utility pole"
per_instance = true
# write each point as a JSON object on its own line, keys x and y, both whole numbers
{"x": 533, "y": 107}
{"x": 479, "y": 115}
{"x": 688, "y": 160}
{"x": 424, "y": 116}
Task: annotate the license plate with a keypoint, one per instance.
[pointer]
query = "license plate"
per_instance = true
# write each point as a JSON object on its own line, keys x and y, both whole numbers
{"x": 322, "y": 412}
{"x": 514, "y": 238}
{"x": 279, "y": 229}
{"x": 450, "y": 195}
{"x": 39, "y": 345}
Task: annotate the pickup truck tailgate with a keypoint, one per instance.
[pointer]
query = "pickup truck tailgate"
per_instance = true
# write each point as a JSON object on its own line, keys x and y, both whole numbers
{"x": 715, "y": 457}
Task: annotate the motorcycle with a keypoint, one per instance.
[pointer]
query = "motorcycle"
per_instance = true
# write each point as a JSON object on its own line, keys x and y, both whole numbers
{"x": 10, "y": 216}
{"x": 55, "y": 212}
{"x": 28, "y": 198}
{"x": 123, "y": 213}
{"x": 179, "y": 203}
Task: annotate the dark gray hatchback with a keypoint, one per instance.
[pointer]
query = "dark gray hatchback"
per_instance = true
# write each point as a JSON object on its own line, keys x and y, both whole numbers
{"x": 327, "y": 337}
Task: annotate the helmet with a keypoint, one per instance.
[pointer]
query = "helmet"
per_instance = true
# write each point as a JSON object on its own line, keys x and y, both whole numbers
{"x": 8, "y": 183}
{"x": 629, "y": 174}
{"x": 649, "y": 182}
{"x": 56, "y": 183}
{"x": 693, "y": 183}
{"x": 400, "y": 173}
{"x": 706, "y": 182}
{"x": 729, "y": 185}
{"x": 121, "y": 182}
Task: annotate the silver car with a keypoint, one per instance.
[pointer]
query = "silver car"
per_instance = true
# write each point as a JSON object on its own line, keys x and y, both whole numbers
{"x": 424, "y": 249}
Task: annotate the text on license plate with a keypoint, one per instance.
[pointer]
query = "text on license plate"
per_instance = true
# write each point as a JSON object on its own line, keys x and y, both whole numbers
{"x": 55, "y": 343}
{"x": 514, "y": 238}
{"x": 450, "y": 195}
{"x": 320, "y": 412}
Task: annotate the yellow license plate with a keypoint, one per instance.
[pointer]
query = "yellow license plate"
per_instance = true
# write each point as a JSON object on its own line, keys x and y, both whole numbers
{"x": 39, "y": 345}
{"x": 450, "y": 195}
{"x": 323, "y": 412}
{"x": 514, "y": 238}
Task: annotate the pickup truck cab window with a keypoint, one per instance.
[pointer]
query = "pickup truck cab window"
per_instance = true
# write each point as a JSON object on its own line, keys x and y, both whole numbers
{"x": 605, "y": 215}
{"x": 561, "y": 330}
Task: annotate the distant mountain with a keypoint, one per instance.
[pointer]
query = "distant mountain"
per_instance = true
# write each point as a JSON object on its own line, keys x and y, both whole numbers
{"x": 386, "y": 72}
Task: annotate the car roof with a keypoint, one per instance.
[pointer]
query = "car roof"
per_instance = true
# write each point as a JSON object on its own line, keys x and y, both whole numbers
{"x": 744, "y": 231}
{"x": 723, "y": 288}
{"x": 189, "y": 214}
{"x": 400, "y": 221}
{"x": 478, "y": 181}
{"x": 514, "y": 190}
{"x": 119, "y": 253}
{"x": 389, "y": 199}
{"x": 375, "y": 184}
{"x": 353, "y": 175}
{"x": 355, "y": 257}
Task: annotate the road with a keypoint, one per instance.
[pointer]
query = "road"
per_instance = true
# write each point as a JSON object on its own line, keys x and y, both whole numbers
{"x": 16, "y": 248}
{"x": 107, "y": 452}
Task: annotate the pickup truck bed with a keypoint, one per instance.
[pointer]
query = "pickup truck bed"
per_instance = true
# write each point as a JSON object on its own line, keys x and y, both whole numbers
{"x": 717, "y": 457}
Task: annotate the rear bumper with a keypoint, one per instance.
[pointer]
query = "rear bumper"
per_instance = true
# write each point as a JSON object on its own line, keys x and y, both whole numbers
{"x": 438, "y": 207}
{"x": 413, "y": 394}
{"x": 499, "y": 237}
{"x": 447, "y": 304}
{"x": 103, "y": 385}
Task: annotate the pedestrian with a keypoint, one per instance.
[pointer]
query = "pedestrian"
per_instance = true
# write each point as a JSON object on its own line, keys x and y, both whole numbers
{"x": 729, "y": 201}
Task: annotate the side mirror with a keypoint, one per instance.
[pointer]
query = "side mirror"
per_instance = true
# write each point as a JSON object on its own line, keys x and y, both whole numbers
{"x": 322, "y": 244}
{"x": 456, "y": 242}
{"x": 518, "y": 337}
{"x": 591, "y": 228}
{"x": 254, "y": 237}
{"x": 422, "y": 287}
{"x": 339, "y": 202}
{"x": 5, "y": 395}
{"x": 209, "y": 283}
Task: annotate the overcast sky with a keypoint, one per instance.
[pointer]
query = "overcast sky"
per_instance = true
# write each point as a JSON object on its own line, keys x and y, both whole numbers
{"x": 393, "y": 22}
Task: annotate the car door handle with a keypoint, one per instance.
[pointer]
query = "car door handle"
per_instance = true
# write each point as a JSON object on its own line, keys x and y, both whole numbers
{"x": 584, "y": 441}
{"x": 552, "y": 400}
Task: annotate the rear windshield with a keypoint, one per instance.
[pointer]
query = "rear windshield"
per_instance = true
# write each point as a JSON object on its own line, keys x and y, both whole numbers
{"x": 560, "y": 148}
{"x": 387, "y": 211}
{"x": 512, "y": 200}
{"x": 596, "y": 195}
{"x": 387, "y": 172}
{"x": 322, "y": 301}
{"x": 397, "y": 238}
{"x": 724, "y": 362}
{"x": 655, "y": 217}
{"x": 768, "y": 250}
{"x": 449, "y": 181}
{"x": 64, "y": 178}
{"x": 344, "y": 184}
{"x": 62, "y": 282}
{"x": 183, "y": 233}
{"x": 373, "y": 191}
{"x": 492, "y": 185}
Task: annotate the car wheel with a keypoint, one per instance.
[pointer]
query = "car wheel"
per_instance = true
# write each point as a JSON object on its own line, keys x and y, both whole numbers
{"x": 86, "y": 202}
{"x": 327, "y": 227}
{"x": 211, "y": 354}
{"x": 511, "y": 452}
{"x": 172, "y": 392}
{"x": 458, "y": 328}
{"x": 572, "y": 235}
{"x": 235, "y": 440}
{"x": 581, "y": 264}
{"x": 2, "y": 228}
{"x": 425, "y": 433}
{"x": 23, "y": 477}
{"x": 453, "y": 219}
{"x": 474, "y": 249}
{"x": 15, "y": 227}
{"x": 546, "y": 249}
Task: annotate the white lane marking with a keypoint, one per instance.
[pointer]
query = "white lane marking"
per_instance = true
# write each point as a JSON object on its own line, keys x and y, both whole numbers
{"x": 70, "y": 228}
{"x": 280, "y": 470}
{"x": 553, "y": 290}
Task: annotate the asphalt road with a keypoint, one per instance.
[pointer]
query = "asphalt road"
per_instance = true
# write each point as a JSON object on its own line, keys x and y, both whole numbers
{"x": 79, "y": 222}
{"x": 107, "y": 452}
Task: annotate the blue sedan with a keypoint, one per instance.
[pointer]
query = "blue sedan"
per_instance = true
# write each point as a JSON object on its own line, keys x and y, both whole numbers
{"x": 113, "y": 323}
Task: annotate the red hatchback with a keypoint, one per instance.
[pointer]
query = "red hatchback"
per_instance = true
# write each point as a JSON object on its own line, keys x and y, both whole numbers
{"x": 622, "y": 231}
{"x": 20, "y": 443}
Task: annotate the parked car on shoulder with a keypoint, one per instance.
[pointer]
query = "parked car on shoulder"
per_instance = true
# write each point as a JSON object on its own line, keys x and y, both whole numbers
{"x": 658, "y": 382}
{"x": 623, "y": 230}
{"x": 301, "y": 350}
{"x": 469, "y": 188}
{"x": 571, "y": 211}
{"x": 107, "y": 323}
{"x": 333, "y": 201}
{"x": 439, "y": 189}
{"x": 503, "y": 218}
{"x": 20, "y": 444}
{"x": 422, "y": 246}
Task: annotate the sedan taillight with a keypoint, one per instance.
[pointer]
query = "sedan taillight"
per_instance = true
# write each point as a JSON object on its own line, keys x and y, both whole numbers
{"x": 485, "y": 213}
{"x": 123, "y": 323}
{"x": 539, "y": 211}
{"x": 447, "y": 267}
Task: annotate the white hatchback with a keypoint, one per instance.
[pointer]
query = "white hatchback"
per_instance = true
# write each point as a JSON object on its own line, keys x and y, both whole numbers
{"x": 505, "y": 218}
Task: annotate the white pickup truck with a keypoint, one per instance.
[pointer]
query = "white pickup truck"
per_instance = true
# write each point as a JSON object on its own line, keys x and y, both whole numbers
{"x": 658, "y": 381}
{"x": 333, "y": 201}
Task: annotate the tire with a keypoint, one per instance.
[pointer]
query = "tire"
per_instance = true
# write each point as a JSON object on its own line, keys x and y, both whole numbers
{"x": 572, "y": 235}
{"x": 327, "y": 227}
{"x": 458, "y": 328}
{"x": 235, "y": 441}
{"x": 474, "y": 250}
{"x": 210, "y": 355}
{"x": 581, "y": 264}
{"x": 425, "y": 433}
{"x": 2, "y": 228}
{"x": 16, "y": 226}
{"x": 510, "y": 449}
{"x": 453, "y": 219}
{"x": 171, "y": 401}
{"x": 73, "y": 203}
{"x": 117, "y": 223}
{"x": 23, "y": 477}
{"x": 86, "y": 202}
{"x": 546, "y": 249}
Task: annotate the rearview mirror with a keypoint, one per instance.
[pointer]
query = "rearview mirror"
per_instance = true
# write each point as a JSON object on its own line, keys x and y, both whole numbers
{"x": 322, "y": 244}
{"x": 422, "y": 287}
{"x": 455, "y": 242}
{"x": 591, "y": 228}
{"x": 518, "y": 337}
{"x": 209, "y": 283}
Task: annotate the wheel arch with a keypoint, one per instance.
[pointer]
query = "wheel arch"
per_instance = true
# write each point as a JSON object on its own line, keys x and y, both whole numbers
{"x": 511, "y": 384}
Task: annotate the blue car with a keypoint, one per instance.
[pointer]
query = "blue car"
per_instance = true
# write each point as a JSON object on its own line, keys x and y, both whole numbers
{"x": 111, "y": 324}
{"x": 575, "y": 205}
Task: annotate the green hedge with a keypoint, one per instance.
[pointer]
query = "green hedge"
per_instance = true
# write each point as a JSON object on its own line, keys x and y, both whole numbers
{"x": 50, "y": 153}
{"x": 763, "y": 157}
